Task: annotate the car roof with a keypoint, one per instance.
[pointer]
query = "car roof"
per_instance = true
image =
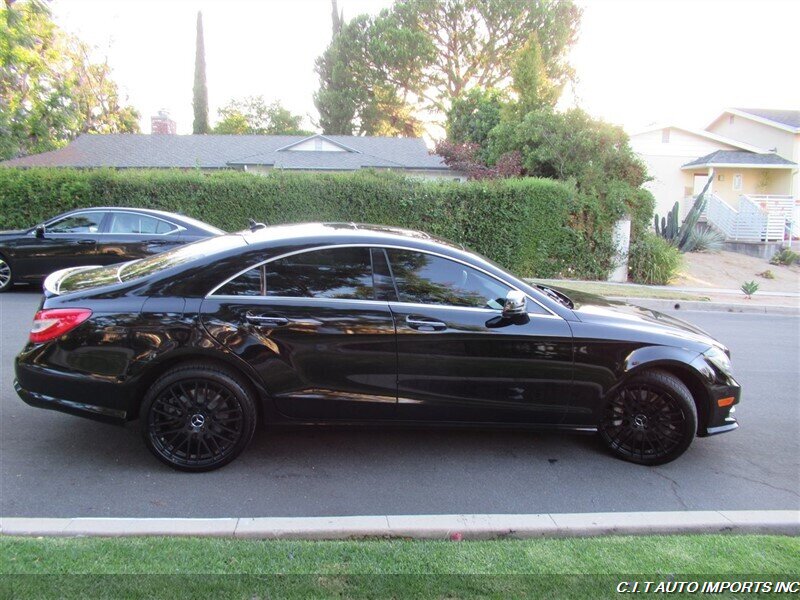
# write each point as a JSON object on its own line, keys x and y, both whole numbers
{"x": 340, "y": 232}
{"x": 152, "y": 212}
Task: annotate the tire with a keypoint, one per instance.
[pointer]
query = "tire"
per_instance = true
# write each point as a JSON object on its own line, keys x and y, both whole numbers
{"x": 6, "y": 279}
{"x": 650, "y": 420}
{"x": 198, "y": 417}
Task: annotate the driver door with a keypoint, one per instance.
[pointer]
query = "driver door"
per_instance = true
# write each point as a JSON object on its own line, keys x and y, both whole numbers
{"x": 460, "y": 360}
{"x": 68, "y": 241}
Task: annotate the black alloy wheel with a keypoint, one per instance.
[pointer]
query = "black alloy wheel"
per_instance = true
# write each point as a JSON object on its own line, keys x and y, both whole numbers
{"x": 650, "y": 420}
{"x": 5, "y": 275}
{"x": 198, "y": 417}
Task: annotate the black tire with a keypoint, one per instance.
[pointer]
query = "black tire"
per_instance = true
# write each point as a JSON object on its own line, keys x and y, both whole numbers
{"x": 6, "y": 279}
{"x": 650, "y": 420}
{"x": 198, "y": 417}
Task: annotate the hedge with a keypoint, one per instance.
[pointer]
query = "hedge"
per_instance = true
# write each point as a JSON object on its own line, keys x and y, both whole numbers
{"x": 535, "y": 227}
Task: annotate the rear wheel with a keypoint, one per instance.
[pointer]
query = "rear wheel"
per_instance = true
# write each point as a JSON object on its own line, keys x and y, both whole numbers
{"x": 5, "y": 275}
{"x": 198, "y": 417}
{"x": 650, "y": 420}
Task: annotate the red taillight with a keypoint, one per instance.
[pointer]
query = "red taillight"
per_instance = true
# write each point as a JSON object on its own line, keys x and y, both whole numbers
{"x": 51, "y": 323}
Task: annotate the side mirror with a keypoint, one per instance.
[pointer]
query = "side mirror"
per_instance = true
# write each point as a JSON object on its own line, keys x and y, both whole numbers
{"x": 516, "y": 304}
{"x": 39, "y": 231}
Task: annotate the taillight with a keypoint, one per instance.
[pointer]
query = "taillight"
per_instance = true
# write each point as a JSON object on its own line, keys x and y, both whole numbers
{"x": 51, "y": 323}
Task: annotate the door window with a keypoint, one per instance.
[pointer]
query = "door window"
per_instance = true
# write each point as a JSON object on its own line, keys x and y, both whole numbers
{"x": 426, "y": 279}
{"x": 328, "y": 273}
{"x": 135, "y": 223}
{"x": 83, "y": 222}
{"x": 344, "y": 273}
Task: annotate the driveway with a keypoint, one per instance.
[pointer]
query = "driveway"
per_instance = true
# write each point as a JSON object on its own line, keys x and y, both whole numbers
{"x": 55, "y": 465}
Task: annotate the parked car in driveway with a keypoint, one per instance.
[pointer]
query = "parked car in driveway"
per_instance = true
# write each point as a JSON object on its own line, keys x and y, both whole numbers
{"x": 93, "y": 236}
{"x": 357, "y": 324}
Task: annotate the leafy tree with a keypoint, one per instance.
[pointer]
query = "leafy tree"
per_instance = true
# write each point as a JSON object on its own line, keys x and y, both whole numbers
{"x": 426, "y": 54}
{"x": 474, "y": 115}
{"x": 253, "y": 115}
{"x": 465, "y": 157}
{"x": 530, "y": 81}
{"x": 200, "y": 89}
{"x": 370, "y": 74}
{"x": 50, "y": 90}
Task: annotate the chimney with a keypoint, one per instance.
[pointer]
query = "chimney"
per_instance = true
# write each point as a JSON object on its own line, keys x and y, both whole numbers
{"x": 161, "y": 123}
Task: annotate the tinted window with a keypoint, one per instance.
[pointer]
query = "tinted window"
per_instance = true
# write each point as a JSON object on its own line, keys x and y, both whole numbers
{"x": 426, "y": 279}
{"x": 329, "y": 273}
{"x": 85, "y": 222}
{"x": 381, "y": 276}
{"x": 135, "y": 223}
{"x": 246, "y": 284}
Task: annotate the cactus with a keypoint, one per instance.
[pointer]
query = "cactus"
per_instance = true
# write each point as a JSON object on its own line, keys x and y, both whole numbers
{"x": 680, "y": 235}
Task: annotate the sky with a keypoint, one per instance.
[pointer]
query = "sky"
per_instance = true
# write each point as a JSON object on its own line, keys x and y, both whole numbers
{"x": 638, "y": 61}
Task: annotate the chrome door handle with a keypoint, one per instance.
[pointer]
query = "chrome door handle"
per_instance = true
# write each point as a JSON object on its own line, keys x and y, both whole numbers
{"x": 87, "y": 242}
{"x": 423, "y": 324}
{"x": 266, "y": 320}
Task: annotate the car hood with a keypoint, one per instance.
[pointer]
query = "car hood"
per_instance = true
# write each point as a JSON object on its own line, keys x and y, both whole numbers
{"x": 591, "y": 308}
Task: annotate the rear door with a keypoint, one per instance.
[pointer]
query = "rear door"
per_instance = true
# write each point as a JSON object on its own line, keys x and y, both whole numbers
{"x": 129, "y": 235}
{"x": 460, "y": 360}
{"x": 312, "y": 326}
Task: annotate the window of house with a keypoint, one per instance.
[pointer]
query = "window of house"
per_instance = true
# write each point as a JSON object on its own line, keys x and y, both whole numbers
{"x": 737, "y": 182}
{"x": 731, "y": 119}
{"x": 665, "y": 136}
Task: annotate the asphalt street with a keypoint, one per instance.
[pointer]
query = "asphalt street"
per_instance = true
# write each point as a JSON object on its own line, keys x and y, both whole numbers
{"x": 56, "y": 465}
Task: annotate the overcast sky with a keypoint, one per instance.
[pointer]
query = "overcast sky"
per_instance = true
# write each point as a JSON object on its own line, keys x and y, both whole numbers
{"x": 638, "y": 61}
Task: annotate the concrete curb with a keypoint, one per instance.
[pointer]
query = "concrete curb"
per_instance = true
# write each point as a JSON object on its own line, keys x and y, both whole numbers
{"x": 731, "y": 307}
{"x": 785, "y": 522}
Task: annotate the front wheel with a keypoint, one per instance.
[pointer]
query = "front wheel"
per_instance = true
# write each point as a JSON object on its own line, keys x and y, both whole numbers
{"x": 650, "y": 420}
{"x": 198, "y": 417}
{"x": 5, "y": 275}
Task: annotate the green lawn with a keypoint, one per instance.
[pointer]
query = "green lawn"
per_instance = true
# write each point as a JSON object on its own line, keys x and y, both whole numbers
{"x": 621, "y": 290}
{"x": 215, "y": 568}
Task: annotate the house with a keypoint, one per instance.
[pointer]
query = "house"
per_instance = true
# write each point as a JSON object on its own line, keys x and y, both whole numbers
{"x": 751, "y": 156}
{"x": 251, "y": 153}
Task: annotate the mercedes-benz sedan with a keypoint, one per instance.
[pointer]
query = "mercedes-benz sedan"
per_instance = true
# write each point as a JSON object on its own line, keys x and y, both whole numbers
{"x": 93, "y": 236}
{"x": 355, "y": 324}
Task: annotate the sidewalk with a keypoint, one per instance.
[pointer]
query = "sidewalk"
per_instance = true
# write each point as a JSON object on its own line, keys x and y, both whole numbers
{"x": 786, "y": 522}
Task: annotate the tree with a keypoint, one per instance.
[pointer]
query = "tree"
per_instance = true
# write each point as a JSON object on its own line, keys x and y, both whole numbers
{"x": 254, "y": 116}
{"x": 50, "y": 90}
{"x": 425, "y": 54}
{"x": 530, "y": 81}
{"x": 472, "y": 116}
{"x": 200, "y": 89}
{"x": 370, "y": 74}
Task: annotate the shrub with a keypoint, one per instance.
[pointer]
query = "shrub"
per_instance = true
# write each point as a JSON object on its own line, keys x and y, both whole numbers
{"x": 653, "y": 260}
{"x": 535, "y": 227}
{"x": 785, "y": 257}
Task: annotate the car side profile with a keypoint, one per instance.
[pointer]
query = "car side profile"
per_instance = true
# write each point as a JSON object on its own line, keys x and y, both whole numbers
{"x": 359, "y": 324}
{"x": 93, "y": 236}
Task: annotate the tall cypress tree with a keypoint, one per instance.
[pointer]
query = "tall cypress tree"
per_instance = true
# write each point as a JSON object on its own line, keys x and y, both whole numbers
{"x": 200, "y": 90}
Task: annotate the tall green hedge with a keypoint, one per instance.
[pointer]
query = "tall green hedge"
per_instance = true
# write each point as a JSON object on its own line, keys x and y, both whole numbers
{"x": 535, "y": 227}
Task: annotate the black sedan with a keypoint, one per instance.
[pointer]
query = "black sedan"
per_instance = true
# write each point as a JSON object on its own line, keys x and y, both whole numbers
{"x": 93, "y": 236}
{"x": 345, "y": 323}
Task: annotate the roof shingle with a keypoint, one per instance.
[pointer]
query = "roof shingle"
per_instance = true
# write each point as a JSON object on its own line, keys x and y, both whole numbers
{"x": 221, "y": 151}
{"x": 732, "y": 157}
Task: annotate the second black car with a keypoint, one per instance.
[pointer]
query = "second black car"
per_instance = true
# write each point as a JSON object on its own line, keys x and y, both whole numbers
{"x": 93, "y": 236}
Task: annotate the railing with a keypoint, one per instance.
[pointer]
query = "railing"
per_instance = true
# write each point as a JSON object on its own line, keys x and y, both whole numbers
{"x": 758, "y": 219}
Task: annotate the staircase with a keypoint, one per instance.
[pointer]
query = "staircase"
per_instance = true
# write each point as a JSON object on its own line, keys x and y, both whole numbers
{"x": 758, "y": 218}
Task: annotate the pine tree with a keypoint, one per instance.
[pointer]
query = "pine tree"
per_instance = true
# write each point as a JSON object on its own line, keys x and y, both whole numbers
{"x": 200, "y": 90}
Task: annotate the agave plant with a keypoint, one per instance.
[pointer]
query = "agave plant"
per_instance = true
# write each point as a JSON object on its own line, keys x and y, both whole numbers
{"x": 705, "y": 240}
{"x": 749, "y": 288}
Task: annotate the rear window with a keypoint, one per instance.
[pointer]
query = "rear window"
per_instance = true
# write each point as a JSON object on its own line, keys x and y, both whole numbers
{"x": 99, "y": 276}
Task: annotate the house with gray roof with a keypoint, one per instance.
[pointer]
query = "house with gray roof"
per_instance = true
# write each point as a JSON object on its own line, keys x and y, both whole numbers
{"x": 252, "y": 153}
{"x": 749, "y": 159}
